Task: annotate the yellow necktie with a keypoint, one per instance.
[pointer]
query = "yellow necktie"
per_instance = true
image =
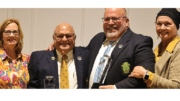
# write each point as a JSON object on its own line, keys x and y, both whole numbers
{"x": 64, "y": 75}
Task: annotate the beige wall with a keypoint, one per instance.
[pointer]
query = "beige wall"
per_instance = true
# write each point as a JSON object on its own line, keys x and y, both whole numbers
{"x": 38, "y": 24}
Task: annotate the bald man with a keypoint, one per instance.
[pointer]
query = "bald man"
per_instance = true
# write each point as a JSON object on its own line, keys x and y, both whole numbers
{"x": 115, "y": 52}
{"x": 64, "y": 67}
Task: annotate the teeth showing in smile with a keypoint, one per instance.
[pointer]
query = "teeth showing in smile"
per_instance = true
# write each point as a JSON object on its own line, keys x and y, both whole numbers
{"x": 164, "y": 32}
{"x": 112, "y": 27}
{"x": 10, "y": 40}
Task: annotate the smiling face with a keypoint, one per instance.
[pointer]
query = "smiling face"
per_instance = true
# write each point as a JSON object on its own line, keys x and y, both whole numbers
{"x": 113, "y": 30}
{"x": 10, "y": 41}
{"x": 165, "y": 28}
{"x": 64, "y": 38}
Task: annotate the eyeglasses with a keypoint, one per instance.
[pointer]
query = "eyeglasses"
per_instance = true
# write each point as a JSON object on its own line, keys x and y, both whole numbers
{"x": 61, "y": 36}
{"x": 8, "y": 32}
{"x": 114, "y": 19}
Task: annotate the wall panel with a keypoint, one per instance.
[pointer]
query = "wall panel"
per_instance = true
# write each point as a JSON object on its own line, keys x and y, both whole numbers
{"x": 46, "y": 21}
{"x": 38, "y": 24}
{"x": 4, "y": 14}
{"x": 25, "y": 18}
{"x": 142, "y": 21}
{"x": 93, "y": 23}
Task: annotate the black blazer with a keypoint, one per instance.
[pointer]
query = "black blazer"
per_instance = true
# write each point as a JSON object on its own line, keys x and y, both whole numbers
{"x": 136, "y": 50}
{"x": 41, "y": 65}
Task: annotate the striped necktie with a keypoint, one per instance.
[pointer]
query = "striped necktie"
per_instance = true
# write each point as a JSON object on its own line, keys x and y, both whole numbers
{"x": 100, "y": 67}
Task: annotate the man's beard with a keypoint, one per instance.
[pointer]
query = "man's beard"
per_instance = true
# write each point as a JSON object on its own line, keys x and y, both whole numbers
{"x": 112, "y": 34}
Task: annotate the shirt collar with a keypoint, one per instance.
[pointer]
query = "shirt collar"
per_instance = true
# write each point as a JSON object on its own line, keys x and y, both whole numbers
{"x": 172, "y": 44}
{"x": 106, "y": 42}
{"x": 4, "y": 55}
{"x": 69, "y": 55}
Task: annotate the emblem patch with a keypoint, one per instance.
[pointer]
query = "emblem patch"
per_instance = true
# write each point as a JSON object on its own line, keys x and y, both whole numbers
{"x": 126, "y": 67}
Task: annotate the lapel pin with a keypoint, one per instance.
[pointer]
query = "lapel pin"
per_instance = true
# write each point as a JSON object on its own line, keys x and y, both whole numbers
{"x": 79, "y": 58}
{"x": 53, "y": 58}
{"x": 120, "y": 46}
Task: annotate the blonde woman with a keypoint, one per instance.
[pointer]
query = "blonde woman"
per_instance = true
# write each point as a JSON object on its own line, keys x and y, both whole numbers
{"x": 13, "y": 64}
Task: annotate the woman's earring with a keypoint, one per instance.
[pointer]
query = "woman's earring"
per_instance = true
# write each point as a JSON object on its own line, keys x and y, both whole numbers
{"x": 157, "y": 37}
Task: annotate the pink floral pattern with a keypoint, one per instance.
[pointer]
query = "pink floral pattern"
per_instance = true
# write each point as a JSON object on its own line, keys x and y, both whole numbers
{"x": 13, "y": 75}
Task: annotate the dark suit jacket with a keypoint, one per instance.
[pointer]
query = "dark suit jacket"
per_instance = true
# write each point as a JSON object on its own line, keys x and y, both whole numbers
{"x": 136, "y": 51}
{"x": 42, "y": 65}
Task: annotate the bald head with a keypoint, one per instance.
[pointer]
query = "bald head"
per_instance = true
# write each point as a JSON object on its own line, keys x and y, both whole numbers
{"x": 119, "y": 11}
{"x": 65, "y": 28}
{"x": 64, "y": 38}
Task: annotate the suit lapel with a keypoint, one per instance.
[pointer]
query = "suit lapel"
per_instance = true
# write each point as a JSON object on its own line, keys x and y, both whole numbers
{"x": 95, "y": 52}
{"x": 52, "y": 59}
{"x": 78, "y": 65}
{"x": 120, "y": 46}
{"x": 162, "y": 62}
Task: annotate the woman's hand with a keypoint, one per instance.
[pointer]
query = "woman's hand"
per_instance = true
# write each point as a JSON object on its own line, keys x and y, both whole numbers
{"x": 138, "y": 72}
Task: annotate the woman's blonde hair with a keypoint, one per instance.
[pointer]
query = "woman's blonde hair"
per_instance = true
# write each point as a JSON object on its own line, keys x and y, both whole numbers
{"x": 4, "y": 24}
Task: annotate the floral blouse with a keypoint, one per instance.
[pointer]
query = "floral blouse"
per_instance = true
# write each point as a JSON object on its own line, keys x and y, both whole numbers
{"x": 13, "y": 75}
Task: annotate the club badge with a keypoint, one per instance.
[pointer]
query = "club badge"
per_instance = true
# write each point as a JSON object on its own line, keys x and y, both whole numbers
{"x": 120, "y": 46}
{"x": 53, "y": 58}
{"x": 79, "y": 58}
{"x": 126, "y": 67}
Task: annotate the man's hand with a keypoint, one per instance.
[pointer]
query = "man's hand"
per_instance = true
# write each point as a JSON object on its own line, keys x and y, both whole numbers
{"x": 51, "y": 47}
{"x": 138, "y": 72}
{"x": 107, "y": 87}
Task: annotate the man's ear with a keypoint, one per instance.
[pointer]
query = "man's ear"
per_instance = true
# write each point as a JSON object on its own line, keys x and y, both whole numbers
{"x": 74, "y": 37}
{"x": 54, "y": 38}
{"x": 127, "y": 22}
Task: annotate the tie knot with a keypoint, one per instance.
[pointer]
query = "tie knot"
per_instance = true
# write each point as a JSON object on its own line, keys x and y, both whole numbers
{"x": 111, "y": 42}
{"x": 64, "y": 57}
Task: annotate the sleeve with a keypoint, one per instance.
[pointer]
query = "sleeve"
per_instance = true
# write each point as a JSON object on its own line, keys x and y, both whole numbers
{"x": 33, "y": 72}
{"x": 173, "y": 72}
{"x": 143, "y": 56}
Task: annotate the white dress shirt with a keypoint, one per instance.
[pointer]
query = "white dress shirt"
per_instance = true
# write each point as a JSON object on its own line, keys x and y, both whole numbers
{"x": 98, "y": 57}
{"x": 71, "y": 69}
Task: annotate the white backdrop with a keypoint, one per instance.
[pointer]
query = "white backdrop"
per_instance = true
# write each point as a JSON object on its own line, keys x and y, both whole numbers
{"x": 38, "y": 24}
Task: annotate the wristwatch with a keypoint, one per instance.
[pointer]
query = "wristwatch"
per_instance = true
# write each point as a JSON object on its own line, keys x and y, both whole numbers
{"x": 146, "y": 75}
